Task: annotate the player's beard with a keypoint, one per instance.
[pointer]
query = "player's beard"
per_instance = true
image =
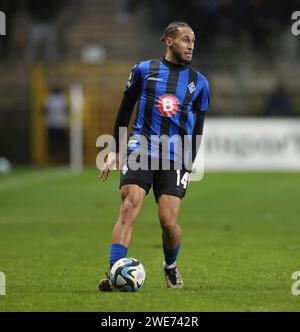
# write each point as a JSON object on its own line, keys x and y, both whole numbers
{"x": 180, "y": 59}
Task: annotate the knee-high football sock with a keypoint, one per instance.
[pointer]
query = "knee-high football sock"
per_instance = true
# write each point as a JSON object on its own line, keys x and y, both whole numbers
{"x": 171, "y": 254}
{"x": 117, "y": 251}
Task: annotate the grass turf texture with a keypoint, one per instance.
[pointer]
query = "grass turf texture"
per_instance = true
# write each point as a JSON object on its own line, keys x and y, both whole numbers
{"x": 240, "y": 243}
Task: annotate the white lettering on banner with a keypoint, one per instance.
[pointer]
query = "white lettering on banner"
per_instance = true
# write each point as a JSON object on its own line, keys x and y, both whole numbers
{"x": 2, "y": 24}
{"x": 296, "y": 25}
{"x": 2, "y": 283}
{"x": 252, "y": 144}
{"x": 296, "y": 284}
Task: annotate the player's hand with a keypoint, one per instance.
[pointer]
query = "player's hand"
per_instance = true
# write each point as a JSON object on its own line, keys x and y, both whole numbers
{"x": 110, "y": 164}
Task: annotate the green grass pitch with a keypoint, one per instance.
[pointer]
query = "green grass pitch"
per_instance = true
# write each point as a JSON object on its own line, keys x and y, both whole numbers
{"x": 240, "y": 243}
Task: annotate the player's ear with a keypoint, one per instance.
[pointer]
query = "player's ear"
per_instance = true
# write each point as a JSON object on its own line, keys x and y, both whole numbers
{"x": 168, "y": 41}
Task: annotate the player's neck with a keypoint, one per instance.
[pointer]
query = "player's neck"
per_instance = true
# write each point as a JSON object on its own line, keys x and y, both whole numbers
{"x": 173, "y": 65}
{"x": 169, "y": 58}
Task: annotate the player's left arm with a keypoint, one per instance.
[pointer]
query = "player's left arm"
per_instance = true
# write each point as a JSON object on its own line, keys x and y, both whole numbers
{"x": 200, "y": 107}
{"x": 130, "y": 97}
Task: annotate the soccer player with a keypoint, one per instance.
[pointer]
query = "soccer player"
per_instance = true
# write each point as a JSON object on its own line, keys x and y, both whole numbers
{"x": 172, "y": 100}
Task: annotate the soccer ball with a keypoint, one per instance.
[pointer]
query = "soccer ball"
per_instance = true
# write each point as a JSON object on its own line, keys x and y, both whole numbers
{"x": 128, "y": 275}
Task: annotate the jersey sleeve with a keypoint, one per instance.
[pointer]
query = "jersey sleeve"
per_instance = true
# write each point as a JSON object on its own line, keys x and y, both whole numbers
{"x": 202, "y": 101}
{"x": 123, "y": 116}
{"x": 134, "y": 84}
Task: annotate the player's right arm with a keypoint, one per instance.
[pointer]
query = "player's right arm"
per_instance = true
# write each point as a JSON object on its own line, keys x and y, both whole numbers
{"x": 131, "y": 95}
{"x": 200, "y": 107}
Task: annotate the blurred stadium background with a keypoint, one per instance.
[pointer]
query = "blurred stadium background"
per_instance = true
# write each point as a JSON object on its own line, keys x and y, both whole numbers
{"x": 251, "y": 58}
{"x": 245, "y": 48}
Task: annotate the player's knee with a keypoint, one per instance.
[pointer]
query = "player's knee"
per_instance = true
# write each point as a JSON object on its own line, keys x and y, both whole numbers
{"x": 128, "y": 211}
{"x": 127, "y": 206}
{"x": 130, "y": 199}
{"x": 167, "y": 218}
{"x": 169, "y": 229}
{"x": 168, "y": 222}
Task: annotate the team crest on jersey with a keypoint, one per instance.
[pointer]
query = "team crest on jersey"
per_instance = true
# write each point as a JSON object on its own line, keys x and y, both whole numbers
{"x": 124, "y": 169}
{"x": 192, "y": 87}
{"x": 167, "y": 105}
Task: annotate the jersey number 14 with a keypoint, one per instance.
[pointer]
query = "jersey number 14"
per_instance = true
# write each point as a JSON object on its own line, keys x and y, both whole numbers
{"x": 184, "y": 180}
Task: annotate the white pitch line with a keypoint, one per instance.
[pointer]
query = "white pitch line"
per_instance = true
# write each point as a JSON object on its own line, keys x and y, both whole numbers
{"x": 36, "y": 177}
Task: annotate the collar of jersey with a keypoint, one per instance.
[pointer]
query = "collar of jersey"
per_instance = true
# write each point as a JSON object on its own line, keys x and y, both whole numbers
{"x": 173, "y": 65}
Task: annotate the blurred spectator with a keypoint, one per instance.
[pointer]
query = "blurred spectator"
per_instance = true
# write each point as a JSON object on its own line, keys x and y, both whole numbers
{"x": 43, "y": 29}
{"x": 279, "y": 103}
{"x": 56, "y": 117}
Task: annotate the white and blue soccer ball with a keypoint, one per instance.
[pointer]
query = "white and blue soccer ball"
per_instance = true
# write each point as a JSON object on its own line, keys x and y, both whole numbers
{"x": 128, "y": 275}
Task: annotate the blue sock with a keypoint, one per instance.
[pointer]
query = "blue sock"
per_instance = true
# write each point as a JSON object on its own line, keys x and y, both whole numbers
{"x": 171, "y": 254}
{"x": 117, "y": 251}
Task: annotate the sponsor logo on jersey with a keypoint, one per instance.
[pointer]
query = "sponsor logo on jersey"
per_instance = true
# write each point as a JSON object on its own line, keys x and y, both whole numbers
{"x": 155, "y": 79}
{"x": 168, "y": 105}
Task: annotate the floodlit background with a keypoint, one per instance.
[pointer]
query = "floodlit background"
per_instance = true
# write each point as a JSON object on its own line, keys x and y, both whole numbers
{"x": 63, "y": 67}
{"x": 245, "y": 48}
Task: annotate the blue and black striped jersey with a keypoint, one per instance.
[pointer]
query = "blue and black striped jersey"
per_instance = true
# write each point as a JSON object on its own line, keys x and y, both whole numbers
{"x": 169, "y": 98}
